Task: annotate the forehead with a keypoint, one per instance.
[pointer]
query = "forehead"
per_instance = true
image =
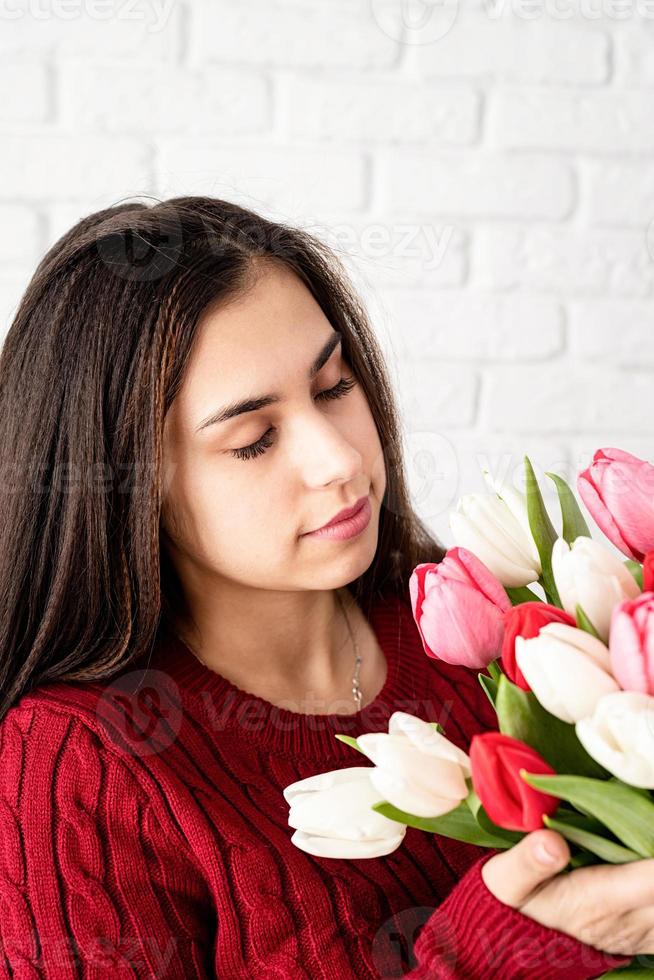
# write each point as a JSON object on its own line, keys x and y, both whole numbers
{"x": 276, "y": 316}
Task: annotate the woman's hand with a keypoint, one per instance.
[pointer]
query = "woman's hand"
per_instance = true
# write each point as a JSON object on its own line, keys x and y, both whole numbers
{"x": 608, "y": 906}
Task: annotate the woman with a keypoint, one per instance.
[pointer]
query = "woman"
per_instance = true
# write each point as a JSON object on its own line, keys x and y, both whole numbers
{"x": 189, "y": 392}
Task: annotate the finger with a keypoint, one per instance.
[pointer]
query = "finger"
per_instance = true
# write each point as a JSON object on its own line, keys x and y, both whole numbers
{"x": 516, "y": 874}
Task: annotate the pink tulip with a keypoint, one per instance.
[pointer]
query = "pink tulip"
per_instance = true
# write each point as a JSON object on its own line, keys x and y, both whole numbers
{"x": 459, "y": 607}
{"x": 618, "y": 490}
{"x": 631, "y": 643}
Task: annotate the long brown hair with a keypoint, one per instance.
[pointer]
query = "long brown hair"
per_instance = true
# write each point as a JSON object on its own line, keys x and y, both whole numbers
{"x": 90, "y": 365}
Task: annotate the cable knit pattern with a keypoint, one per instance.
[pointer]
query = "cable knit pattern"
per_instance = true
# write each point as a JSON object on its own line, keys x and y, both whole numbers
{"x": 144, "y": 833}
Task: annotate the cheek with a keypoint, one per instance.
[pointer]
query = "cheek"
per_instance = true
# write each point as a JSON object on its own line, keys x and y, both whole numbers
{"x": 238, "y": 513}
{"x": 363, "y": 434}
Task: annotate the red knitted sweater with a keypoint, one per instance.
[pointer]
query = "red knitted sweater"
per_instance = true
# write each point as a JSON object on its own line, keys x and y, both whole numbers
{"x": 143, "y": 833}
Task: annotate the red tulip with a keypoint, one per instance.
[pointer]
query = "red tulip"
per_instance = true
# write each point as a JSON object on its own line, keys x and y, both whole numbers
{"x": 648, "y": 572}
{"x": 527, "y": 620}
{"x": 509, "y": 801}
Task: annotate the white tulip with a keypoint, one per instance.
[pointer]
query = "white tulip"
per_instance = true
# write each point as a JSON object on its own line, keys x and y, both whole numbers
{"x": 567, "y": 669}
{"x": 333, "y": 817}
{"x": 495, "y": 527}
{"x": 620, "y": 736}
{"x": 589, "y": 574}
{"x": 417, "y": 769}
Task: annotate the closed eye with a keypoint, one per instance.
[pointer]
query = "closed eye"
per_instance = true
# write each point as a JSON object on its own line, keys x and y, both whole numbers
{"x": 265, "y": 442}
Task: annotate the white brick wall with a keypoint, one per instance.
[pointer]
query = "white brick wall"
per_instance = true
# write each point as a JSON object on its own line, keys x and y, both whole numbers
{"x": 484, "y": 168}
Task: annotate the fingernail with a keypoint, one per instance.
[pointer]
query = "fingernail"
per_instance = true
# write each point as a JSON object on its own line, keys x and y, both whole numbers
{"x": 543, "y": 856}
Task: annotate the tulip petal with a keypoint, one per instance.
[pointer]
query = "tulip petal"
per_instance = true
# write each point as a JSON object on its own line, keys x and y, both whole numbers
{"x": 326, "y": 780}
{"x": 620, "y": 736}
{"x": 427, "y": 739}
{"x": 412, "y": 798}
{"x": 330, "y": 848}
{"x": 345, "y": 811}
{"x": 566, "y": 682}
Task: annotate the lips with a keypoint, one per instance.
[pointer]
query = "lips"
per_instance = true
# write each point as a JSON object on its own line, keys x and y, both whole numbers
{"x": 347, "y": 512}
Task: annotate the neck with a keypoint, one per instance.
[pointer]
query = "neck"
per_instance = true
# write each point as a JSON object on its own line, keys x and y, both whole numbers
{"x": 286, "y": 645}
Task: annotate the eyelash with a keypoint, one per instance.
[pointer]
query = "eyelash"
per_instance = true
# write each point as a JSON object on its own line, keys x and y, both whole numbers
{"x": 258, "y": 448}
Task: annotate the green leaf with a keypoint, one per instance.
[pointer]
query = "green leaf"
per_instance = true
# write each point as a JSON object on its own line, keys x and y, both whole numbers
{"x": 573, "y": 818}
{"x": 542, "y": 530}
{"x": 349, "y": 741}
{"x": 607, "y": 850}
{"x": 474, "y": 803}
{"x": 627, "y": 814}
{"x": 521, "y": 715}
{"x": 485, "y": 822}
{"x": 494, "y": 670}
{"x": 459, "y": 824}
{"x": 581, "y": 858}
{"x": 636, "y": 570}
{"x": 574, "y": 525}
{"x": 439, "y": 728}
{"x": 520, "y": 595}
{"x": 584, "y": 623}
{"x": 490, "y": 687}
{"x": 630, "y": 972}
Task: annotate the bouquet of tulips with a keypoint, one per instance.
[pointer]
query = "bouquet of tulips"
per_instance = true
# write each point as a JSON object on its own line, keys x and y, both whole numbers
{"x": 569, "y": 670}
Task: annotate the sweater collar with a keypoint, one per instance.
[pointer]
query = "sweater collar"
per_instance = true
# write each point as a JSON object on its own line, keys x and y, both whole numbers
{"x": 222, "y": 707}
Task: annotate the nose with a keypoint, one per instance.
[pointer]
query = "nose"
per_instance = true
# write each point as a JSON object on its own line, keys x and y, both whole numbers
{"x": 325, "y": 454}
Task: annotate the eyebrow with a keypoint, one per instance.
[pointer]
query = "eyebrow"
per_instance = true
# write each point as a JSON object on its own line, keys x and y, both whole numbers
{"x": 261, "y": 401}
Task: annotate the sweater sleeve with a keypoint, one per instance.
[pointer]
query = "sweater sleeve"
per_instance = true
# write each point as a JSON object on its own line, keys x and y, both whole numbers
{"x": 96, "y": 877}
{"x": 473, "y": 935}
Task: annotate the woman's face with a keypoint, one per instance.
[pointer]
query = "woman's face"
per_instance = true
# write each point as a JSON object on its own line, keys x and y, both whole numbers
{"x": 237, "y": 515}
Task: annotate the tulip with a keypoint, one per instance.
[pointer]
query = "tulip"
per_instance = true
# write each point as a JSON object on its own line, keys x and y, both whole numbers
{"x": 648, "y": 572}
{"x": 618, "y": 490}
{"x": 591, "y": 575}
{"x": 495, "y": 527}
{"x": 631, "y": 643}
{"x": 333, "y": 817}
{"x": 527, "y": 620}
{"x": 509, "y": 801}
{"x": 620, "y": 736}
{"x": 417, "y": 769}
{"x": 458, "y": 607}
{"x": 567, "y": 669}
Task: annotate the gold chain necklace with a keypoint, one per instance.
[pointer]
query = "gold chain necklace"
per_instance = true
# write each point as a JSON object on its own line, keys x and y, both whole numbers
{"x": 356, "y": 687}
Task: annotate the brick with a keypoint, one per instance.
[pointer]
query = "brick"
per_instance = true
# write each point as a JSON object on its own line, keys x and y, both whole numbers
{"x": 634, "y": 53}
{"x": 477, "y": 183}
{"x": 510, "y": 49}
{"x": 292, "y": 35}
{"x": 600, "y": 122}
{"x": 362, "y": 109}
{"x": 619, "y": 192}
{"x": 436, "y": 396}
{"x": 569, "y": 397}
{"x": 89, "y": 29}
{"x": 163, "y": 99}
{"x": 25, "y": 86}
{"x": 20, "y": 237}
{"x": 474, "y": 326}
{"x": 391, "y": 251}
{"x": 48, "y": 166}
{"x": 266, "y": 175}
{"x": 570, "y": 260}
{"x": 618, "y": 333}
